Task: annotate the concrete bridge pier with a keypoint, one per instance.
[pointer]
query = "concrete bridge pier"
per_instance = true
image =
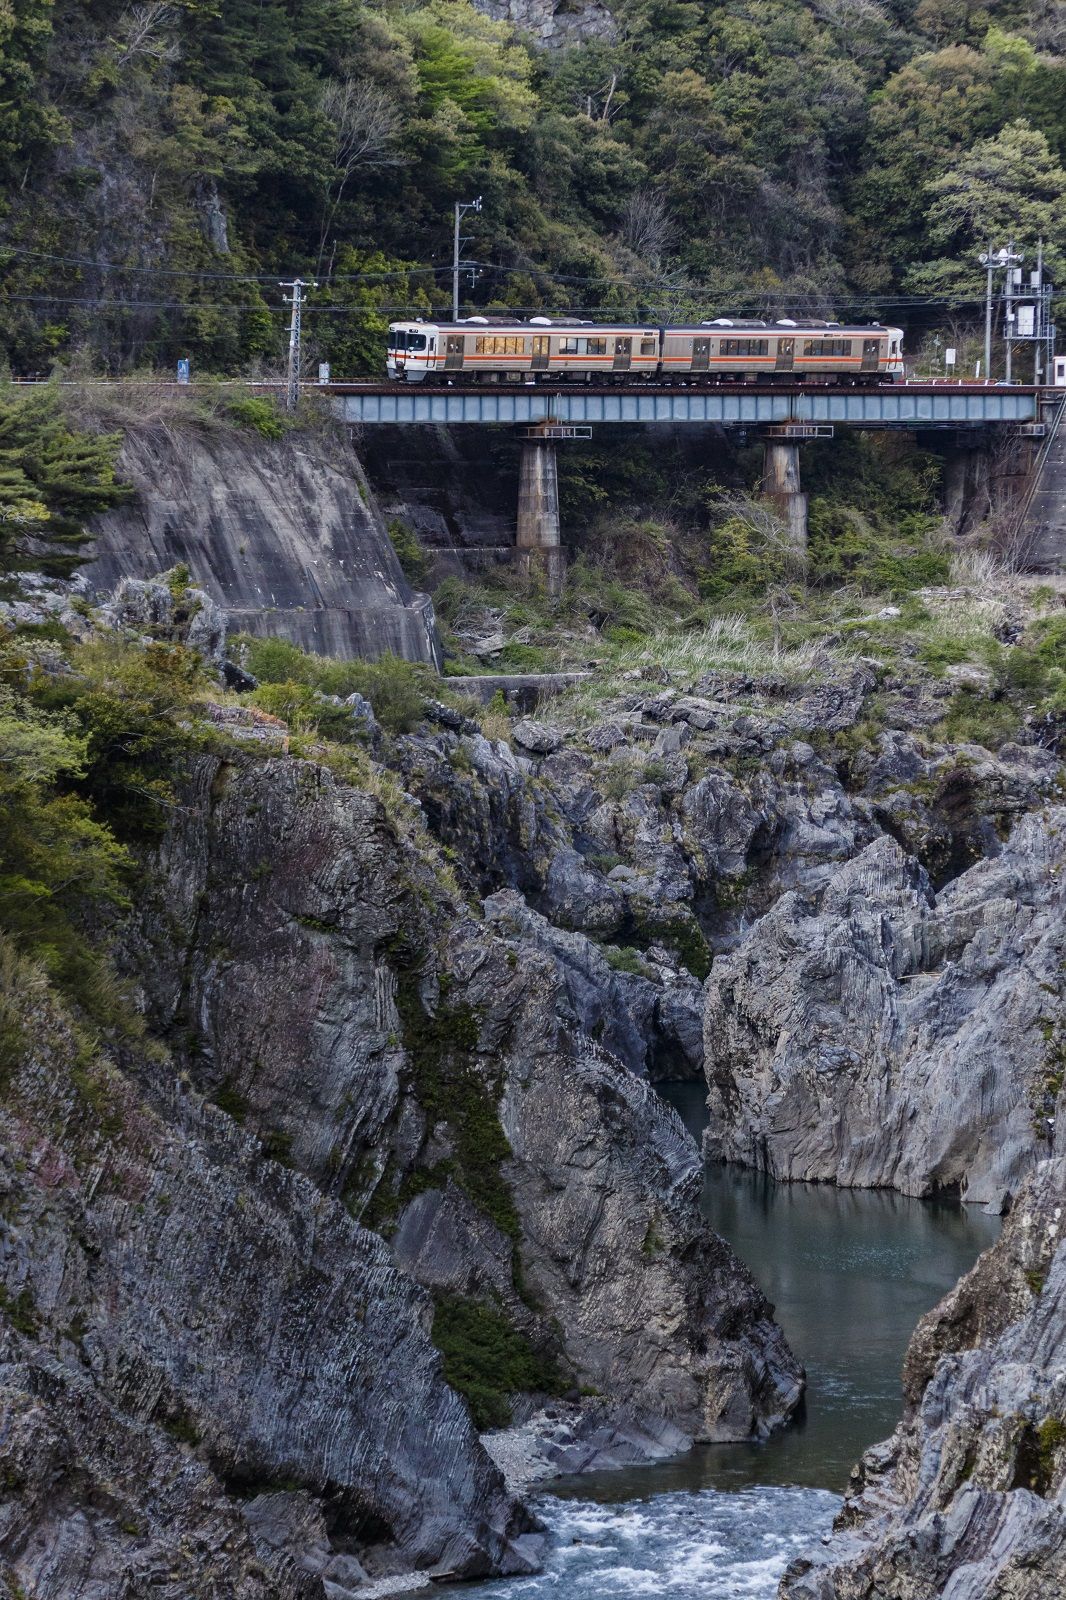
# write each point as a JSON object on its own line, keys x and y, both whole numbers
{"x": 537, "y": 536}
{"x": 781, "y": 487}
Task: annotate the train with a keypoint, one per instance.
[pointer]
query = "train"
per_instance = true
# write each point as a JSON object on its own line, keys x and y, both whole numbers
{"x": 725, "y": 350}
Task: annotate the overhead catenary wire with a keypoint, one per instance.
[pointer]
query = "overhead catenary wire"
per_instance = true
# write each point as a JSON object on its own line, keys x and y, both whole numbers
{"x": 645, "y": 288}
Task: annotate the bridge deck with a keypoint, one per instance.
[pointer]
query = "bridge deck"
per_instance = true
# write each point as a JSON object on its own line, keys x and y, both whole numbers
{"x": 890, "y": 406}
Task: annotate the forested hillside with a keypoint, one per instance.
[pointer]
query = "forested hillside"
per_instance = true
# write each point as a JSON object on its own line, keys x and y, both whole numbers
{"x": 165, "y": 162}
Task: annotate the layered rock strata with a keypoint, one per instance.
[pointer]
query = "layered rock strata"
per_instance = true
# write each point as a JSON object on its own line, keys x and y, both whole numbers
{"x": 199, "y": 1347}
{"x": 879, "y": 1034}
{"x": 284, "y": 535}
{"x": 417, "y": 1063}
{"x": 967, "y": 1500}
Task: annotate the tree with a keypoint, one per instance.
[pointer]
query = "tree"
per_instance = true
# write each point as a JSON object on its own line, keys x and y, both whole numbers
{"x": 933, "y": 107}
{"x": 51, "y": 477}
{"x": 1010, "y": 186}
{"x": 364, "y": 120}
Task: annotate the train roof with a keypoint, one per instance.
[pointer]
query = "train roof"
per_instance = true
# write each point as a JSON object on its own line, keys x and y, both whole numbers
{"x": 784, "y": 325}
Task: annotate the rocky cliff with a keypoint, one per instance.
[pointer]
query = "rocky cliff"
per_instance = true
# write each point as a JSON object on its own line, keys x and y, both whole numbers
{"x": 213, "y": 1380}
{"x": 284, "y": 534}
{"x": 387, "y": 1136}
{"x": 883, "y": 1035}
{"x": 356, "y": 1155}
{"x": 554, "y": 23}
{"x": 416, "y": 1062}
{"x": 967, "y": 1498}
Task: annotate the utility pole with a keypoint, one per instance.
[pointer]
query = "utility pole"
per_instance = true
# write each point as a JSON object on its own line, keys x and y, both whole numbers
{"x": 295, "y": 299}
{"x": 1008, "y": 308}
{"x": 988, "y": 261}
{"x": 1003, "y": 260}
{"x": 461, "y": 208}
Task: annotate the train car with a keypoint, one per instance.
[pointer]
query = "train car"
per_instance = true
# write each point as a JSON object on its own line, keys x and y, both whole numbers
{"x": 732, "y": 348}
{"x": 727, "y": 350}
{"x": 489, "y": 349}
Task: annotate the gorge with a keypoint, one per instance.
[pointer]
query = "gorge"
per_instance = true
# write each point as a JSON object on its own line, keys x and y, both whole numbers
{"x": 540, "y": 1078}
{"x": 366, "y": 1147}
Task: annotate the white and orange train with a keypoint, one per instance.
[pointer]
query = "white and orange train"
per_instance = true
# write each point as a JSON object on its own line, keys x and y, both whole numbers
{"x": 727, "y": 350}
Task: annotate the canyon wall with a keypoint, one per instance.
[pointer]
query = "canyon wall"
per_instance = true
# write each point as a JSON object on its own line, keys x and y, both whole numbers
{"x": 284, "y": 534}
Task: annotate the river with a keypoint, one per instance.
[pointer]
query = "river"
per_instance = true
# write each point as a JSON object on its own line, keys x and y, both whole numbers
{"x": 850, "y": 1272}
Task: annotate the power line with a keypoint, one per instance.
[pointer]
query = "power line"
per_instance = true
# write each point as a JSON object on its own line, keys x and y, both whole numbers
{"x": 214, "y": 277}
{"x": 643, "y": 287}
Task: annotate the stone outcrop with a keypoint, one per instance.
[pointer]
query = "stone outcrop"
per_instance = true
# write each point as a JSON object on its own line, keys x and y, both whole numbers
{"x": 881, "y": 1035}
{"x": 968, "y": 1497}
{"x": 424, "y": 1067}
{"x": 554, "y": 23}
{"x": 197, "y": 1344}
{"x": 284, "y": 535}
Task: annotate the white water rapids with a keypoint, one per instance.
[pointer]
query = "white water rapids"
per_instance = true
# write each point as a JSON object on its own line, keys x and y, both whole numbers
{"x": 690, "y": 1545}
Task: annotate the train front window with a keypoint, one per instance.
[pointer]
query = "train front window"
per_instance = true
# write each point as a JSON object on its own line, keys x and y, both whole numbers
{"x": 416, "y": 341}
{"x": 397, "y": 339}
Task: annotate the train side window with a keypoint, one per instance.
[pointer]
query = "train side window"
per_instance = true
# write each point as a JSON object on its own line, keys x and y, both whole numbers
{"x": 827, "y": 347}
{"x": 596, "y": 347}
{"x": 569, "y": 347}
{"x": 743, "y": 347}
{"x": 541, "y": 344}
{"x": 649, "y": 347}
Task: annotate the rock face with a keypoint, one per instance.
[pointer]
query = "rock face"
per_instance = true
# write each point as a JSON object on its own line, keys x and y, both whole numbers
{"x": 554, "y": 23}
{"x": 967, "y": 1500}
{"x": 285, "y": 536}
{"x": 197, "y": 1345}
{"x": 879, "y": 1034}
{"x": 420, "y": 1065}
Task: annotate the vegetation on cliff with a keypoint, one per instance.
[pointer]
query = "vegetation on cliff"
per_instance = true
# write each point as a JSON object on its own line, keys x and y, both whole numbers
{"x": 165, "y": 163}
{"x": 52, "y": 476}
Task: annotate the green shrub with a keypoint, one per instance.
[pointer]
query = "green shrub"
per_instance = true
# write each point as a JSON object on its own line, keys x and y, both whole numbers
{"x": 625, "y": 959}
{"x": 393, "y": 686}
{"x": 260, "y": 413}
{"x": 52, "y": 476}
{"x": 845, "y": 546}
{"x": 487, "y": 1360}
{"x": 409, "y": 552}
{"x": 60, "y": 865}
{"x": 278, "y": 661}
{"x": 677, "y": 932}
{"x": 129, "y": 702}
{"x": 740, "y": 563}
{"x": 974, "y": 718}
{"x": 451, "y": 1088}
{"x": 523, "y": 658}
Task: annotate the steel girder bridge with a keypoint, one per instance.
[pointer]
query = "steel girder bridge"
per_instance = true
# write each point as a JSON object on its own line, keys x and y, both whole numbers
{"x": 781, "y": 416}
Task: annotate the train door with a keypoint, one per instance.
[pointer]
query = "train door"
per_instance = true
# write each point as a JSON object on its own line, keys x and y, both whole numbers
{"x": 701, "y": 355}
{"x": 541, "y": 352}
{"x": 453, "y": 351}
{"x": 623, "y": 355}
{"x": 871, "y": 352}
{"x": 786, "y": 355}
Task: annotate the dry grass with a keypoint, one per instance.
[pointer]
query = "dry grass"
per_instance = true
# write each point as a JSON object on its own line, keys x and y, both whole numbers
{"x": 728, "y": 644}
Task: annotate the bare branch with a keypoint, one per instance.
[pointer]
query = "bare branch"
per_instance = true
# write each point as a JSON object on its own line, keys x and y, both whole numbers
{"x": 141, "y": 33}
{"x": 365, "y": 121}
